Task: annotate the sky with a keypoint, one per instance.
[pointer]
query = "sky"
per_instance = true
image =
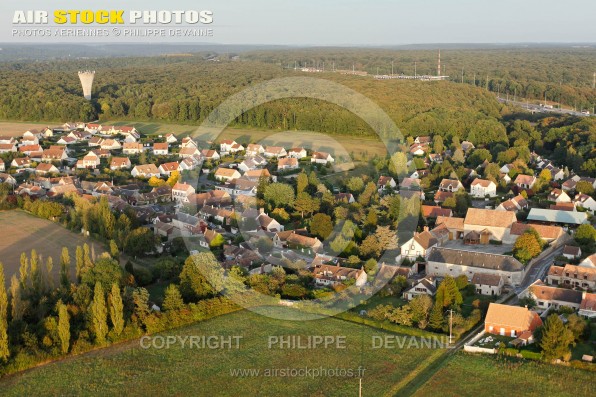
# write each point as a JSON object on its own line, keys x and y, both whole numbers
{"x": 351, "y": 22}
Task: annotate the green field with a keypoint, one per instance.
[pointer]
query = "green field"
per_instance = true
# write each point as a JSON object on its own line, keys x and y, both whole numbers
{"x": 483, "y": 375}
{"x": 22, "y": 232}
{"x": 135, "y": 371}
{"x": 288, "y": 139}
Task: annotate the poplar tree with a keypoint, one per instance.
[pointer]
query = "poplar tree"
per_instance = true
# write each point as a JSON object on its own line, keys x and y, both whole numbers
{"x": 79, "y": 263}
{"x": 4, "y": 351}
{"x": 16, "y": 299}
{"x": 24, "y": 270}
{"x": 65, "y": 268}
{"x": 99, "y": 314}
{"x": 63, "y": 327}
{"x": 116, "y": 309}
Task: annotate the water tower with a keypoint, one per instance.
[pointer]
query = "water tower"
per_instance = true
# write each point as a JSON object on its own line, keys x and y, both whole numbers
{"x": 86, "y": 78}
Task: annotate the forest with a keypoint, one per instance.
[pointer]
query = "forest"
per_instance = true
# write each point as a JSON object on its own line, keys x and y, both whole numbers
{"x": 185, "y": 89}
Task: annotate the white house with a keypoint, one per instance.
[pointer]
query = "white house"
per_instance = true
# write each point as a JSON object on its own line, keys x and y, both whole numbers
{"x": 288, "y": 163}
{"x": 585, "y": 201}
{"x": 450, "y": 185}
{"x": 171, "y": 138}
{"x": 254, "y": 149}
{"x": 297, "y": 153}
{"x": 488, "y": 284}
{"x": 166, "y": 169}
{"x": 275, "y": 151}
{"x": 426, "y": 286}
{"x": 160, "y": 149}
{"x": 181, "y": 191}
{"x": 525, "y": 181}
{"x": 321, "y": 158}
{"x": 330, "y": 275}
{"x": 91, "y": 160}
{"x": 418, "y": 245}
{"x": 119, "y": 163}
{"x": 210, "y": 154}
{"x": 188, "y": 151}
{"x": 145, "y": 171}
{"x": 132, "y": 148}
{"x": 482, "y": 188}
{"x": 225, "y": 174}
{"x": 559, "y": 196}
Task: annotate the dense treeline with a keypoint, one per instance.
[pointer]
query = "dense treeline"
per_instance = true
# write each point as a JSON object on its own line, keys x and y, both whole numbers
{"x": 564, "y": 74}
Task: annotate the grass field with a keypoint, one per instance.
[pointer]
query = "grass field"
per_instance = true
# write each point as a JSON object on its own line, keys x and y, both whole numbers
{"x": 22, "y": 232}
{"x": 335, "y": 144}
{"x": 483, "y": 375}
{"x": 15, "y": 128}
{"x": 131, "y": 370}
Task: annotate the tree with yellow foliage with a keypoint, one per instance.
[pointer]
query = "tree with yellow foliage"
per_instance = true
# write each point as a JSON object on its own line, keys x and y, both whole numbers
{"x": 156, "y": 182}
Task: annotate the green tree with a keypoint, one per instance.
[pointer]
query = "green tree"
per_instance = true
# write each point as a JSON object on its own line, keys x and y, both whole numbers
{"x": 106, "y": 271}
{"x": 306, "y": 204}
{"x": 116, "y": 309}
{"x": 555, "y": 339}
{"x": 448, "y": 294}
{"x": 172, "y": 299}
{"x": 16, "y": 300}
{"x": 140, "y": 241}
{"x": 421, "y": 307}
{"x": 79, "y": 263}
{"x": 279, "y": 194}
{"x": 458, "y": 156}
{"x": 398, "y": 164}
{"x": 24, "y": 271}
{"x": 436, "y": 319}
{"x": 526, "y": 247}
{"x": 63, "y": 327}
{"x": 438, "y": 145}
{"x": 99, "y": 314}
{"x": 114, "y": 251}
{"x": 140, "y": 298}
{"x": 321, "y": 225}
{"x": 65, "y": 268}
{"x": 202, "y": 276}
{"x": 585, "y": 235}
{"x": 301, "y": 183}
{"x": 355, "y": 184}
{"x": 584, "y": 187}
{"x": 4, "y": 350}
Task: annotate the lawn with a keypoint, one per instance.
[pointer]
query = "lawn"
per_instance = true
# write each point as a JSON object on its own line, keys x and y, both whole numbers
{"x": 483, "y": 375}
{"x": 203, "y": 372}
{"x": 332, "y": 143}
{"x": 22, "y": 232}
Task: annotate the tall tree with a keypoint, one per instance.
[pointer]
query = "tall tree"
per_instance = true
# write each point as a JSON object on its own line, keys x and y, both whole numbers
{"x": 99, "y": 314}
{"x": 16, "y": 300}
{"x": 63, "y": 327}
{"x": 4, "y": 350}
{"x": 301, "y": 183}
{"x": 201, "y": 277}
{"x": 65, "y": 268}
{"x": 556, "y": 338}
{"x": 116, "y": 309}
{"x": 24, "y": 270}
{"x": 172, "y": 298}
{"x": 80, "y": 263}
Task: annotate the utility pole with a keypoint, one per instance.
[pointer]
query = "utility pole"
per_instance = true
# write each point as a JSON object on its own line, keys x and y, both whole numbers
{"x": 450, "y": 326}
{"x": 487, "y": 82}
{"x": 474, "y": 79}
{"x": 360, "y": 388}
{"x": 462, "y": 75}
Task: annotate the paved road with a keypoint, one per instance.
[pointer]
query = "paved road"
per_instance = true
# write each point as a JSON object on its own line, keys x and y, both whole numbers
{"x": 538, "y": 269}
